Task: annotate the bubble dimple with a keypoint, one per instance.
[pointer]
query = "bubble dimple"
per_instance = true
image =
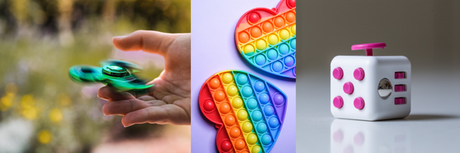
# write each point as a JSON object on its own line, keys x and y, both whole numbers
{"x": 289, "y": 61}
{"x": 242, "y": 79}
{"x": 269, "y": 110}
{"x": 293, "y": 29}
{"x": 214, "y": 83}
{"x": 237, "y": 103}
{"x": 284, "y": 34}
{"x": 254, "y": 17}
{"x": 290, "y": 17}
{"x": 243, "y": 37}
{"x": 226, "y": 145}
{"x": 252, "y": 138}
{"x": 259, "y": 86}
{"x": 266, "y": 139}
{"x": 235, "y": 132}
{"x": 247, "y": 127}
{"x": 267, "y": 26}
{"x": 277, "y": 66}
{"x": 229, "y": 120}
{"x": 252, "y": 103}
{"x": 260, "y": 59}
{"x": 261, "y": 127}
{"x": 273, "y": 122}
{"x": 256, "y": 149}
{"x": 261, "y": 44}
{"x": 239, "y": 144}
{"x": 219, "y": 95}
{"x": 247, "y": 91}
{"x": 284, "y": 49}
{"x": 224, "y": 108}
{"x": 227, "y": 78}
{"x": 209, "y": 105}
{"x": 273, "y": 39}
{"x": 255, "y": 32}
{"x": 272, "y": 54}
{"x": 293, "y": 43}
{"x": 279, "y": 22}
{"x": 249, "y": 50}
{"x": 257, "y": 115}
{"x": 264, "y": 98}
{"x": 291, "y": 3}
{"x": 279, "y": 99}
{"x": 242, "y": 115}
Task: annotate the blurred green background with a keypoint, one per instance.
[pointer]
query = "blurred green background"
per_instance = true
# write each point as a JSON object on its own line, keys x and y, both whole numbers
{"x": 41, "y": 109}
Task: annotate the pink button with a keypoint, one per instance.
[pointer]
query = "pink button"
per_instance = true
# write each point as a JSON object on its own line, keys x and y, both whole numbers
{"x": 348, "y": 88}
{"x": 337, "y": 73}
{"x": 400, "y": 100}
{"x": 359, "y": 103}
{"x": 338, "y": 102}
{"x": 400, "y": 75}
{"x": 400, "y": 87}
{"x": 358, "y": 74}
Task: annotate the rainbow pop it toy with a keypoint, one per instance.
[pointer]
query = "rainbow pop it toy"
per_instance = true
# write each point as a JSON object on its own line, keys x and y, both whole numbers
{"x": 266, "y": 38}
{"x": 247, "y": 110}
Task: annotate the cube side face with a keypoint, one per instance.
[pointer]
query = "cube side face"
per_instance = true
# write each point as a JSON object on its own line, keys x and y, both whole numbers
{"x": 388, "y": 67}
{"x": 375, "y": 69}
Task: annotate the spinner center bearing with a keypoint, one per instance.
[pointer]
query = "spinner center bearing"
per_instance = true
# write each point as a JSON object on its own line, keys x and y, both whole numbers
{"x": 115, "y": 71}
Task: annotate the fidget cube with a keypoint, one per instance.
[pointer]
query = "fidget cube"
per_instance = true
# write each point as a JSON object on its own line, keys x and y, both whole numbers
{"x": 370, "y": 87}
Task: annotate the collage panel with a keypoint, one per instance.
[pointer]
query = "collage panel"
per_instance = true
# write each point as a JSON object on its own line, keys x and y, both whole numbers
{"x": 73, "y": 77}
{"x": 243, "y": 76}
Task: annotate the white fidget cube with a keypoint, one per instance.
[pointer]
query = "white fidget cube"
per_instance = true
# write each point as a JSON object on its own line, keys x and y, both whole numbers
{"x": 370, "y": 87}
{"x": 349, "y": 136}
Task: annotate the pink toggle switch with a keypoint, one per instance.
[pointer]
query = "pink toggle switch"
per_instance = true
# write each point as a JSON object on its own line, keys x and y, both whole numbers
{"x": 400, "y": 100}
{"x": 348, "y": 88}
{"x": 337, "y": 73}
{"x": 400, "y": 87}
{"x": 338, "y": 102}
{"x": 359, "y": 103}
{"x": 358, "y": 74}
{"x": 400, "y": 75}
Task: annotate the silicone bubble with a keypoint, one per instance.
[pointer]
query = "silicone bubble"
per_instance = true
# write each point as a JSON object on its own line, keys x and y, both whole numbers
{"x": 243, "y": 37}
{"x": 267, "y": 26}
{"x": 273, "y": 39}
{"x": 290, "y": 16}
{"x": 279, "y": 21}
{"x": 259, "y": 34}
{"x": 248, "y": 111}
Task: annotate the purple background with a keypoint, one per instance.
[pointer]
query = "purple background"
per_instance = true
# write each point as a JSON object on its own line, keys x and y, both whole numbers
{"x": 214, "y": 50}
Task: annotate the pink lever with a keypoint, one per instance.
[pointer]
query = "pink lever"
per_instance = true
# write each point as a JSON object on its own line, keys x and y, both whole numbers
{"x": 368, "y": 47}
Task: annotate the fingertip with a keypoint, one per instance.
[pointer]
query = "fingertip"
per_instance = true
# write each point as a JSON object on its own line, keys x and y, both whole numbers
{"x": 102, "y": 93}
{"x": 105, "y": 109}
{"x": 125, "y": 121}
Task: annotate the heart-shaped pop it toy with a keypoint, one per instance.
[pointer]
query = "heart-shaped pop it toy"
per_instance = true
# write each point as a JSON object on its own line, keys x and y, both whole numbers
{"x": 267, "y": 38}
{"x": 247, "y": 110}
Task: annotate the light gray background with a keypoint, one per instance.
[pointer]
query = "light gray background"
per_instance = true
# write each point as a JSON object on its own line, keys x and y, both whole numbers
{"x": 426, "y": 31}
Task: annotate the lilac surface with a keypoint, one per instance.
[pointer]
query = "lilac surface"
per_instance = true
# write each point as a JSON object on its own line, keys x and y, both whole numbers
{"x": 214, "y": 50}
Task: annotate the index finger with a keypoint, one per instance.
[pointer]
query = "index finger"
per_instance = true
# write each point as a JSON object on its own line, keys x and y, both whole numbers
{"x": 148, "y": 41}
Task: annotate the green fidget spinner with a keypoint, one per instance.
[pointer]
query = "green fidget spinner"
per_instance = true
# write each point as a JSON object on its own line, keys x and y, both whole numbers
{"x": 115, "y": 73}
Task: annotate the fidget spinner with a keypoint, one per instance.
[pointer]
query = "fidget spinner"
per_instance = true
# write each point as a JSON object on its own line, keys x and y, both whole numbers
{"x": 115, "y": 73}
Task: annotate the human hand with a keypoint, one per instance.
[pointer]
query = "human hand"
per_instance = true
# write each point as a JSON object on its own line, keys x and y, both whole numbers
{"x": 168, "y": 101}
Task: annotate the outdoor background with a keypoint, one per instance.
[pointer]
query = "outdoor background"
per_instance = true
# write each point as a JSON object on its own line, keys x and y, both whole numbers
{"x": 41, "y": 109}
